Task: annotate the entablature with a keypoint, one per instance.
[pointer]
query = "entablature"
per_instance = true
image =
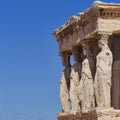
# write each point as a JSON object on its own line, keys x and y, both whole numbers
{"x": 100, "y": 18}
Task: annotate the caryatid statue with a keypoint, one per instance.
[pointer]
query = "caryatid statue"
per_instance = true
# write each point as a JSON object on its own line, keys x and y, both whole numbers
{"x": 89, "y": 55}
{"x": 65, "y": 83}
{"x": 102, "y": 82}
{"x": 85, "y": 88}
{"x": 75, "y": 79}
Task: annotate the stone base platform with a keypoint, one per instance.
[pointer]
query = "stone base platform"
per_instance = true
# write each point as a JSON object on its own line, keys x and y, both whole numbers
{"x": 99, "y": 114}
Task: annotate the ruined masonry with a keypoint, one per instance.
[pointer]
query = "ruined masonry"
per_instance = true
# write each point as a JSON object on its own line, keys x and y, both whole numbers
{"x": 90, "y": 88}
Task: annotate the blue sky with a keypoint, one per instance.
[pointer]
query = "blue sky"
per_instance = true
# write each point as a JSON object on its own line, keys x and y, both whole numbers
{"x": 30, "y": 67}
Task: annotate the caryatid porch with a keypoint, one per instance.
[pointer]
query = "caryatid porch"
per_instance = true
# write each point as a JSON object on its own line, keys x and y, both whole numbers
{"x": 93, "y": 39}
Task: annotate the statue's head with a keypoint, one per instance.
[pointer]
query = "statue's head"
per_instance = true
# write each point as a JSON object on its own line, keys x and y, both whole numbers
{"x": 101, "y": 43}
{"x": 86, "y": 49}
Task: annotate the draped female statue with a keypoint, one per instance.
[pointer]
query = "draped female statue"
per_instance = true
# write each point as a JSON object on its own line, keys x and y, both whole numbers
{"x": 65, "y": 83}
{"x": 74, "y": 81}
{"x": 85, "y": 88}
{"x": 102, "y": 82}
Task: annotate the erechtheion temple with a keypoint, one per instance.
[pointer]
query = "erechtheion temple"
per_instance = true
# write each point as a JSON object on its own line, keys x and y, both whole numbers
{"x": 90, "y": 88}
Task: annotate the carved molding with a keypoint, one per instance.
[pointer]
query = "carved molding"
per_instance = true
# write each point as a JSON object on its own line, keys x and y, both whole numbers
{"x": 106, "y": 114}
{"x": 99, "y": 19}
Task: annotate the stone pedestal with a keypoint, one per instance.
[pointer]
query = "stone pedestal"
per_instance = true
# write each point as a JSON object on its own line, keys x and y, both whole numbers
{"x": 99, "y": 114}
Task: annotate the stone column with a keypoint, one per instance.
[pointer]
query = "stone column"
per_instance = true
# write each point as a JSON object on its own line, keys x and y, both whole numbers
{"x": 102, "y": 82}
{"x": 65, "y": 82}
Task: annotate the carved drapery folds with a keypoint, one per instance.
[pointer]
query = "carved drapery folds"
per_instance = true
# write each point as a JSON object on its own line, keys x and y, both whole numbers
{"x": 102, "y": 83}
{"x": 85, "y": 89}
{"x": 92, "y": 38}
{"x": 75, "y": 77}
{"x": 65, "y": 82}
{"x": 87, "y": 83}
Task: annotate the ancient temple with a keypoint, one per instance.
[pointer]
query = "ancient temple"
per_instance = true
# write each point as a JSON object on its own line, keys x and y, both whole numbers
{"x": 90, "y": 88}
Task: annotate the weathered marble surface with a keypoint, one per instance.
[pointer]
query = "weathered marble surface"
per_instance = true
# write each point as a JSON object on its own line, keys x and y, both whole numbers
{"x": 86, "y": 84}
{"x": 64, "y": 94}
{"x": 88, "y": 81}
{"x": 94, "y": 20}
{"x": 65, "y": 83}
{"x": 96, "y": 114}
{"x": 85, "y": 88}
{"x": 103, "y": 74}
{"x": 74, "y": 81}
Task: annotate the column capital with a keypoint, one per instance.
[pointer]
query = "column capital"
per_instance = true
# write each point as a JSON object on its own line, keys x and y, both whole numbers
{"x": 103, "y": 39}
{"x": 104, "y": 36}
